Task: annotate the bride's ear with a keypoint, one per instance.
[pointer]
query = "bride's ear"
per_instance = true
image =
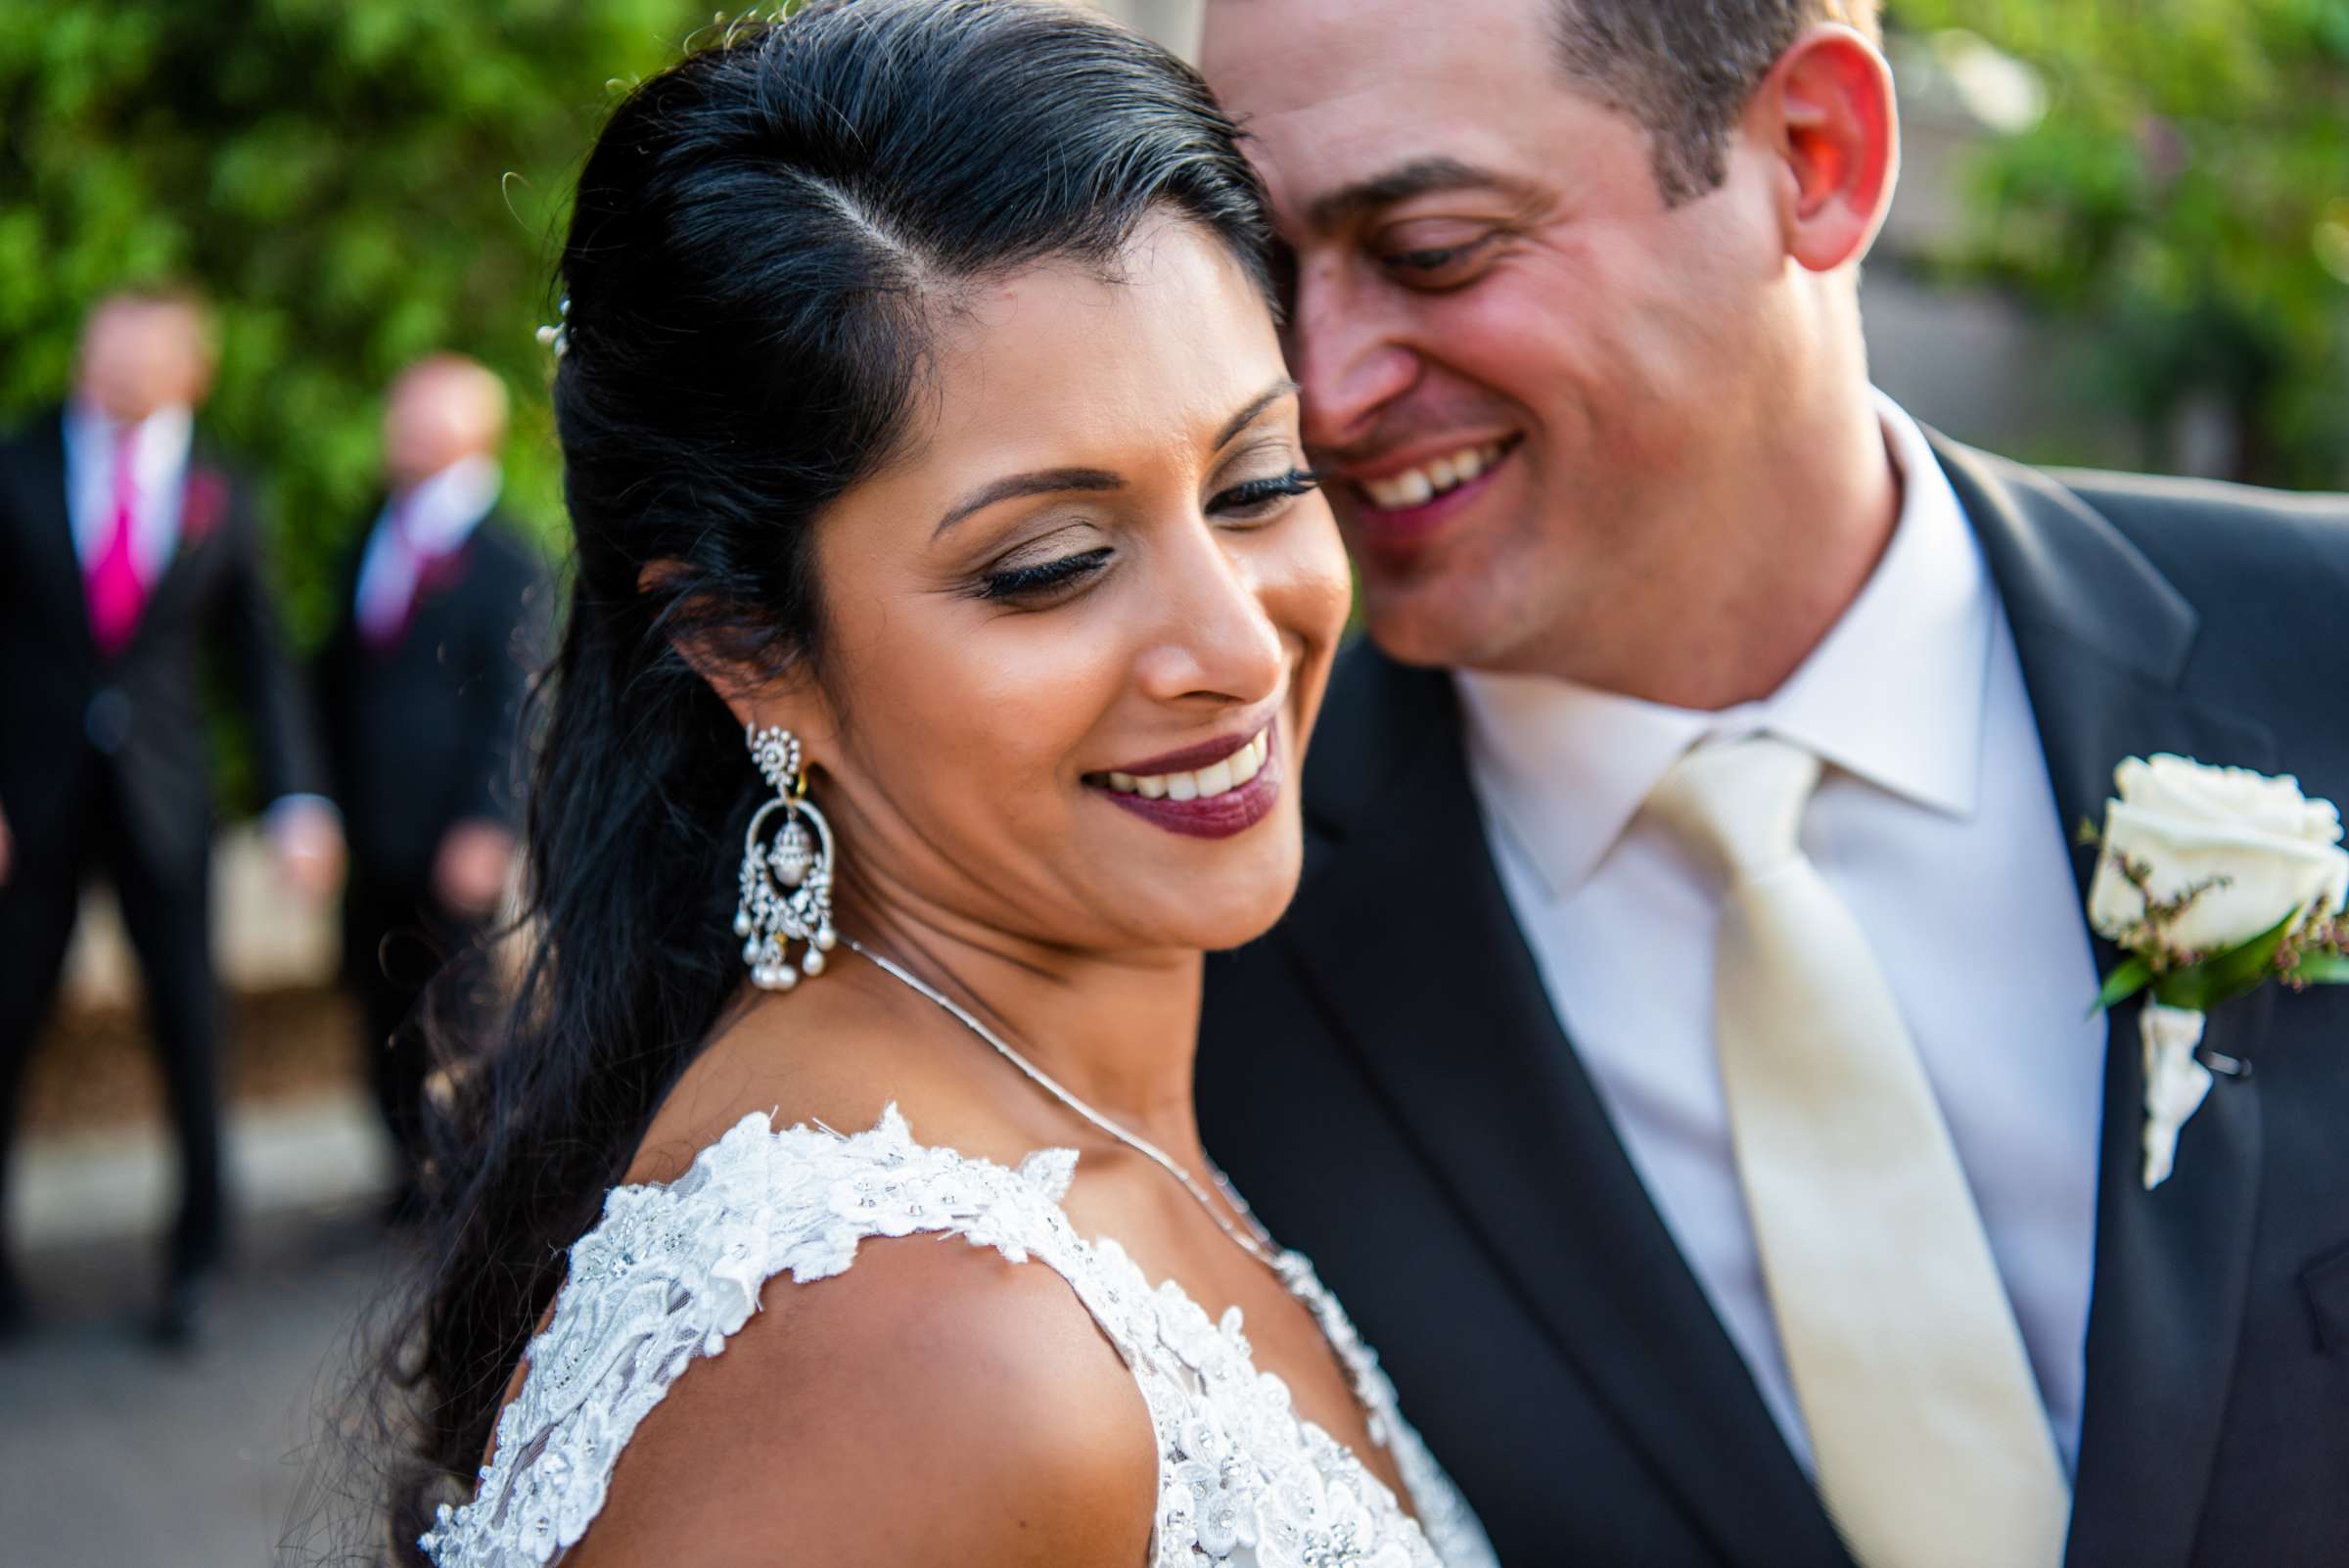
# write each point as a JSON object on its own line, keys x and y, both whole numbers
{"x": 742, "y": 670}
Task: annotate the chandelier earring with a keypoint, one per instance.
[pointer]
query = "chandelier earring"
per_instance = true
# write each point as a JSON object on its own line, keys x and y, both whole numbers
{"x": 786, "y": 882}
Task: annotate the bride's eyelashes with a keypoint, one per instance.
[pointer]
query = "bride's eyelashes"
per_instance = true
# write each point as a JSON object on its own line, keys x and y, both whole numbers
{"x": 1257, "y": 500}
{"x": 1035, "y": 584}
{"x": 1043, "y": 581}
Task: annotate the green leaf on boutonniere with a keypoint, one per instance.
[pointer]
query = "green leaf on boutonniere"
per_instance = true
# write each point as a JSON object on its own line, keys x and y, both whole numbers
{"x": 2323, "y": 969}
{"x": 2121, "y": 984}
{"x": 2225, "y": 976}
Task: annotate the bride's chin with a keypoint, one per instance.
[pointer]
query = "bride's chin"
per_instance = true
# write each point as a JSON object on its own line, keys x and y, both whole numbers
{"x": 1215, "y": 914}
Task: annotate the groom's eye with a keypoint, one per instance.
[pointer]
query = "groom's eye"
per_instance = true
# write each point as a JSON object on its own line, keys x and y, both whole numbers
{"x": 1438, "y": 266}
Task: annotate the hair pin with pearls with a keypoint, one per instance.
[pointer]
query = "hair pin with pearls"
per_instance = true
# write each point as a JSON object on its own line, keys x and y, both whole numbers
{"x": 558, "y": 338}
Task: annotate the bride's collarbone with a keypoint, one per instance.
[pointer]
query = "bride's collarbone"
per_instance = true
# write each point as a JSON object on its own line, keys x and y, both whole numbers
{"x": 840, "y": 1062}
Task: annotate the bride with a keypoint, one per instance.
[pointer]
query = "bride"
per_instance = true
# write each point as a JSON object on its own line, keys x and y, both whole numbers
{"x": 833, "y": 1194}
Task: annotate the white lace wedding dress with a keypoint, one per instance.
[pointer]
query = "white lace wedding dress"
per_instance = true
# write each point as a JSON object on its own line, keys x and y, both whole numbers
{"x": 672, "y": 1271}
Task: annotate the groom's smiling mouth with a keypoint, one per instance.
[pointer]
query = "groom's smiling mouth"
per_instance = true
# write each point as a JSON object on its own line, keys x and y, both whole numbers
{"x": 1399, "y": 504}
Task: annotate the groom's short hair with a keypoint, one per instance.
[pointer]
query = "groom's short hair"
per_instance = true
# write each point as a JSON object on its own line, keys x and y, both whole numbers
{"x": 1685, "y": 68}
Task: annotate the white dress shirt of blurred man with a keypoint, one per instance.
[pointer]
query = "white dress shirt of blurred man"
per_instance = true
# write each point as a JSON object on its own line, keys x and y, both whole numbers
{"x": 126, "y": 554}
{"x": 422, "y": 686}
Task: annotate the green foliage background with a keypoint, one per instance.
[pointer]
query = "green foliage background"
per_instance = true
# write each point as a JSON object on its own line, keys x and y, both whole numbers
{"x": 354, "y": 182}
{"x": 2186, "y": 197}
{"x": 357, "y": 182}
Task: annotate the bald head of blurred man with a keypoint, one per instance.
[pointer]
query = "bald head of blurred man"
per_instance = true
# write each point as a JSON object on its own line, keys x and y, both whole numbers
{"x": 144, "y": 351}
{"x": 441, "y": 411}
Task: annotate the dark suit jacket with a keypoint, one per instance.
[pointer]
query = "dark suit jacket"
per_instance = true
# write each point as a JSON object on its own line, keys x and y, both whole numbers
{"x": 70, "y": 719}
{"x": 1385, "y": 1078}
{"x": 422, "y": 734}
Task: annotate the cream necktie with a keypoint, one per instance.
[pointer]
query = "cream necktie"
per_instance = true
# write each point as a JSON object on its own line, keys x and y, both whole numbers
{"x": 1933, "y": 1450}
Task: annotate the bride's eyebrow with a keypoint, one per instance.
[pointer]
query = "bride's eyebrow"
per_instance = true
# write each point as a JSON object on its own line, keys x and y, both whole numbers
{"x": 1054, "y": 481}
{"x": 1040, "y": 482}
{"x": 1247, "y": 416}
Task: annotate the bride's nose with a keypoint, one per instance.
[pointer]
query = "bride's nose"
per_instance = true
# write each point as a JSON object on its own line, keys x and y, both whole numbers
{"x": 1212, "y": 638}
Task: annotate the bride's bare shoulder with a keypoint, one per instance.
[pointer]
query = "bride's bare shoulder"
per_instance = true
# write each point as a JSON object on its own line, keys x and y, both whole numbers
{"x": 837, "y": 1053}
{"x": 936, "y": 1403}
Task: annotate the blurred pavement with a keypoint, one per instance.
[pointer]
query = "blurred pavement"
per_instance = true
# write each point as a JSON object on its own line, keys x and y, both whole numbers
{"x": 113, "y": 1455}
{"x": 318, "y": 1155}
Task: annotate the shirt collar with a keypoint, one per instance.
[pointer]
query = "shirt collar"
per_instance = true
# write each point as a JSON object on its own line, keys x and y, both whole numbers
{"x": 159, "y": 441}
{"x": 439, "y": 513}
{"x": 1894, "y": 694}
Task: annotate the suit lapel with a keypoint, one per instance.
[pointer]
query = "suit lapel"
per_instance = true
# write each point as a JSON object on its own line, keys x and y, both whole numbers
{"x": 48, "y": 516}
{"x": 204, "y": 496}
{"x": 2103, "y": 640}
{"x": 1419, "y": 954}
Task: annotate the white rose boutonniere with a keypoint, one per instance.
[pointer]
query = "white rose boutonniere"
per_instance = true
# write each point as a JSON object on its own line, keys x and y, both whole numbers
{"x": 2214, "y": 881}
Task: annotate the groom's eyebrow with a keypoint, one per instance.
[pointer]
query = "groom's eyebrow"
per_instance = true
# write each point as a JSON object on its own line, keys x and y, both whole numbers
{"x": 1349, "y": 204}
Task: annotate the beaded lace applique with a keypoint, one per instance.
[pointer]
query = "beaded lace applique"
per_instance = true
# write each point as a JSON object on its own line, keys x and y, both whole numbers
{"x": 672, "y": 1271}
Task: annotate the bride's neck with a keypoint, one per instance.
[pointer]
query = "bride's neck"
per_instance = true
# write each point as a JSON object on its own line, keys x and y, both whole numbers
{"x": 1118, "y": 1031}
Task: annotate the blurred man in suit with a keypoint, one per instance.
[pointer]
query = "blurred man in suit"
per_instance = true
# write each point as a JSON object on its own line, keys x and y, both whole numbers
{"x": 125, "y": 551}
{"x": 423, "y": 684}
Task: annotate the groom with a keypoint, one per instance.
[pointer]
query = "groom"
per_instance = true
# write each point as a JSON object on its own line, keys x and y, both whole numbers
{"x": 1677, "y": 1055}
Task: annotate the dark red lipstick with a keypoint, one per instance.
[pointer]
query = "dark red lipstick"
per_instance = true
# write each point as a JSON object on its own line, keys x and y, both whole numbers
{"x": 1217, "y": 816}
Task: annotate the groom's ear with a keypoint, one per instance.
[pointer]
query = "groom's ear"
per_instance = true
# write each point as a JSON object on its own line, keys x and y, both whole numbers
{"x": 1828, "y": 112}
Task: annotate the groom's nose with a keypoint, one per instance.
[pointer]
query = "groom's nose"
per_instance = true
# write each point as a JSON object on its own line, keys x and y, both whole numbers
{"x": 1346, "y": 350}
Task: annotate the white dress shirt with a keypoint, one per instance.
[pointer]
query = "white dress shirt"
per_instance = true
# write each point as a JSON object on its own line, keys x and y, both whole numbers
{"x": 159, "y": 467}
{"x": 1937, "y": 826}
{"x": 440, "y": 514}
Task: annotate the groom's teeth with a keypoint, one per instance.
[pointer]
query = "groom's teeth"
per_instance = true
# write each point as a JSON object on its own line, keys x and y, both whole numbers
{"x": 1417, "y": 487}
{"x": 1201, "y": 784}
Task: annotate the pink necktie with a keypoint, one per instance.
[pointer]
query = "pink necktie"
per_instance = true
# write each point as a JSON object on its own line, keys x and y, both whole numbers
{"x": 115, "y": 590}
{"x": 384, "y": 619}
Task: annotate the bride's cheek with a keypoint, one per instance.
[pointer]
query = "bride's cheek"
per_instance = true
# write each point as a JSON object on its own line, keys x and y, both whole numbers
{"x": 1306, "y": 588}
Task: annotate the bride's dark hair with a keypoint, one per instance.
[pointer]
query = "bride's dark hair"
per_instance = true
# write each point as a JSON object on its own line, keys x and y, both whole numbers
{"x": 765, "y": 239}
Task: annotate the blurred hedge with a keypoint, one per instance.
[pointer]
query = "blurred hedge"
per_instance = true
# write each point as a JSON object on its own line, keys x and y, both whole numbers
{"x": 360, "y": 181}
{"x": 355, "y": 183}
{"x": 2185, "y": 195}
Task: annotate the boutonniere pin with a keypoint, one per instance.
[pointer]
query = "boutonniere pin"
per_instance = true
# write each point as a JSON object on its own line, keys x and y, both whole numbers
{"x": 440, "y": 571}
{"x": 2214, "y": 881}
{"x": 201, "y": 506}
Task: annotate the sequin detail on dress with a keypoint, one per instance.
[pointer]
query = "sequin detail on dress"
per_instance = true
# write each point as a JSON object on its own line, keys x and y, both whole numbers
{"x": 672, "y": 1271}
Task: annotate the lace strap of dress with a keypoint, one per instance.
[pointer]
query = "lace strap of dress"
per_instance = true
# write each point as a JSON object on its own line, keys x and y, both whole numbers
{"x": 673, "y": 1269}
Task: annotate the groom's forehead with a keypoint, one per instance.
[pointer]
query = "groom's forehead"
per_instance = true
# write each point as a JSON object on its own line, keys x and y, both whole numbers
{"x": 1377, "y": 41}
{"x": 1353, "y": 105}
